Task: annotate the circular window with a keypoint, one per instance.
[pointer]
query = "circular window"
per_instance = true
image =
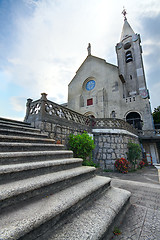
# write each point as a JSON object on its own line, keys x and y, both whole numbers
{"x": 119, "y": 46}
{"x": 90, "y": 85}
{"x": 127, "y": 45}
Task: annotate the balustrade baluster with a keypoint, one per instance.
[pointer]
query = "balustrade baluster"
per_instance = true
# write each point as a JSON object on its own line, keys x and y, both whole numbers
{"x": 28, "y": 108}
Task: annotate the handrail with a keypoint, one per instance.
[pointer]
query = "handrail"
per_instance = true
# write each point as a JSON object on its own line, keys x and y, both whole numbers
{"x": 45, "y": 110}
{"x": 113, "y": 123}
{"x": 149, "y": 133}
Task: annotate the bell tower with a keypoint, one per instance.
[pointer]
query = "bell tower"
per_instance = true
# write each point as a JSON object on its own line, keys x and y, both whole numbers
{"x": 136, "y": 108}
{"x": 130, "y": 63}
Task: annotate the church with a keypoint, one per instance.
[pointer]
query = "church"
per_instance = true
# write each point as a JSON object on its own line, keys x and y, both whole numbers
{"x": 110, "y": 94}
{"x": 103, "y": 90}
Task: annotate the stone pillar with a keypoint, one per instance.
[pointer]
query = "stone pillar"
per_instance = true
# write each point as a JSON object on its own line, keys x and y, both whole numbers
{"x": 43, "y": 106}
{"x": 158, "y": 168}
{"x": 28, "y": 108}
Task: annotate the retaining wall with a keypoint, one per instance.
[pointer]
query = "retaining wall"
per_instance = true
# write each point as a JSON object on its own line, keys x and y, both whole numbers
{"x": 111, "y": 145}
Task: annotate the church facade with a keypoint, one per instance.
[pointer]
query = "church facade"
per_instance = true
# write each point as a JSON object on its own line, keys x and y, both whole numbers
{"x": 103, "y": 90}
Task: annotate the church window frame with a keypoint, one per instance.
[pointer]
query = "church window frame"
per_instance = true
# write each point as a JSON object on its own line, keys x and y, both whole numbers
{"x": 128, "y": 56}
{"x": 90, "y": 102}
{"x": 113, "y": 114}
{"x": 92, "y": 87}
{"x": 134, "y": 118}
{"x": 127, "y": 45}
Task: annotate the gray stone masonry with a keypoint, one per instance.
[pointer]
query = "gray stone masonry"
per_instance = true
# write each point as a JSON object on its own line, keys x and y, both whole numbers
{"x": 41, "y": 188}
{"x": 110, "y": 147}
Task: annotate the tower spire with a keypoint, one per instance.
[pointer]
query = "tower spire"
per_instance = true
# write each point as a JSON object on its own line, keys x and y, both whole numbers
{"x": 127, "y": 30}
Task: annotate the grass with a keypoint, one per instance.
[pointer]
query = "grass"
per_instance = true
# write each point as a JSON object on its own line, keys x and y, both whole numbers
{"x": 117, "y": 231}
{"x": 90, "y": 163}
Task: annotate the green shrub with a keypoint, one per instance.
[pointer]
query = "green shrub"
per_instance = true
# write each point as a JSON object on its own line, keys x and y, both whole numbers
{"x": 134, "y": 153}
{"x": 82, "y": 146}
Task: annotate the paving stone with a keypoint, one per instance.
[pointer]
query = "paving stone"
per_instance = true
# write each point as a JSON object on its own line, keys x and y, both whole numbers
{"x": 131, "y": 227}
{"x": 151, "y": 227}
{"x": 142, "y": 221}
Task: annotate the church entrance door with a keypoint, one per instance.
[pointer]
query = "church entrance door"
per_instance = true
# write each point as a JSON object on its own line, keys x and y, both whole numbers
{"x": 134, "y": 119}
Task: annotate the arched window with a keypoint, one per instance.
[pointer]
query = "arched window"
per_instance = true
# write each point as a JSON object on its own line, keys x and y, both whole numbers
{"x": 129, "y": 56}
{"x": 113, "y": 114}
{"x": 134, "y": 119}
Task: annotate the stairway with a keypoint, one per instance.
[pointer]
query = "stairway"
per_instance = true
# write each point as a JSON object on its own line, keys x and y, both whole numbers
{"x": 47, "y": 194}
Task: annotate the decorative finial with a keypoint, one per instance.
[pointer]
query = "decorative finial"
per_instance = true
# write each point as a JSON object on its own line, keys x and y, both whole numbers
{"x": 124, "y": 13}
{"x": 89, "y": 49}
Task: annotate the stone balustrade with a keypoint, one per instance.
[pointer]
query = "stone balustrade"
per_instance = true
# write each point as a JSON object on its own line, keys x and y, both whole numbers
{"x": 54, "y": 118}
{"x": 61, "y": 121}
{"x": 149, "y": 133}
{"x": 112, "y": 123}
{"x": 111, "y": 135}
{"x": 43, "y": 109}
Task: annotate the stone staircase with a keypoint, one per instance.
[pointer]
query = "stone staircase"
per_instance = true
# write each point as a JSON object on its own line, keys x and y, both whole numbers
{"x": 47, "y": 194}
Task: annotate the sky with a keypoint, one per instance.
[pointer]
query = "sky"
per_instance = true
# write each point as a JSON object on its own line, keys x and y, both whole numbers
{"x": 43, "y": 43}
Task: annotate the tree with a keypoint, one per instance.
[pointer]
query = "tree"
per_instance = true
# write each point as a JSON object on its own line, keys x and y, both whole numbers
{"x": 134, "y": 153}
{"x": 156, "y": 115}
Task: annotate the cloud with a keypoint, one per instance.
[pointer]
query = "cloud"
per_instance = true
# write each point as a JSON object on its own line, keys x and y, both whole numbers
{"x": 151, "y": 46}
{"x": 5, "y": 77}
{"x": 45, "y": 53}
{"x": 155, "y": 93}
{"x": 18, "y": 103}
{"x": 51, "y": 39}
{"x": 14, "y": 61}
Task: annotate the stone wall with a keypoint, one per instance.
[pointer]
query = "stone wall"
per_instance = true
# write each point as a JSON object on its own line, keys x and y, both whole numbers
{"x": 59, "y": 132}
{"x": 111, "y": 146}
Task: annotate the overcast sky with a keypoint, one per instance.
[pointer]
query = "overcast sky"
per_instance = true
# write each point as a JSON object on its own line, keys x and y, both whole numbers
{"x": 43, "y": 43}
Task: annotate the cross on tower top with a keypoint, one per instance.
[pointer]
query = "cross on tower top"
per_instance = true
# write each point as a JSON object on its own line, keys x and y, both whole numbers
{"x": 124, "y": 13}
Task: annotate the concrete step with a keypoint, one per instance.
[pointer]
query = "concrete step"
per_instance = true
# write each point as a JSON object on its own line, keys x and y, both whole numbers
{"x": 42, "y": 186}
{"x": 14, "y": 172}
{"x": 31, "y": 220}
{"x": 96, "y": 220}
{"x": 22, "y": 139}
{"x": 12, "y": 132}
{"x": 44, "y": 191}
{"x": 22, "y": 157}
{"x": 24, "y": 147}
{"x": 14, "y": 122}
{"x": 19, "y": 128}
